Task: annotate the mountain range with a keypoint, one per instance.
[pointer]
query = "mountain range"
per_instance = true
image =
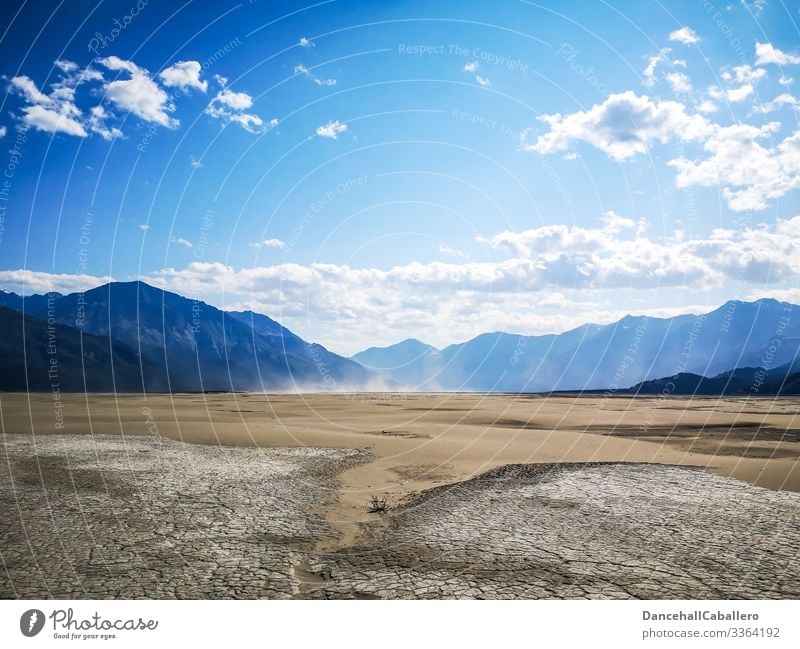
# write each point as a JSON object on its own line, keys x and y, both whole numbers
{"x": 760, "y": 334}
{"x": 130, "y": 336}
{"x": 178, "y": 344}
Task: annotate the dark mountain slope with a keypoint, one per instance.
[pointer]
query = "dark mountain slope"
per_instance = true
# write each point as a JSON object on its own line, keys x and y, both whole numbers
{"x": 35, "y": 356}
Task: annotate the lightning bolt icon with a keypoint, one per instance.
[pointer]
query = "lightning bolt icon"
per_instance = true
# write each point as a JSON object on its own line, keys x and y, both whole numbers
{"x": 32, "y": 620}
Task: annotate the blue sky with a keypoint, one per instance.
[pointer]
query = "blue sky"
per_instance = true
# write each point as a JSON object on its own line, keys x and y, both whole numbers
{"x": 365, "y": 172}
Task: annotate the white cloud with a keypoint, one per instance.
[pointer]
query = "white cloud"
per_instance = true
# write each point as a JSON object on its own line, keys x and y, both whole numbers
{"x": 471, "y": 66}
{"x": 779, "y": 102}
{"x": 558, "y": 266}
{"x": 3, "y": 131}
{"x": 52, "y": 121}
{"x": 29, "y": 282}
{"x": 144, "y": 226}
{"x": 608, "y": 257}
{"x": 66, "y": 66}
{"x": 652, "y": 63}
{"x": 452, "y": 252}
{"x": 679, "y": 82}
{"x": 614, "y": 223}
{"x": 303, "y": 70}
{"x": 304, "y": 42}
{"x": 744, "y": 74}
{"x": 732, "y": 95}
{"x": 183, "y": 242}
{"x": 785, "y": 81}
{"x": 766, "y": 53}
{"x": 270, "y": 243}
{"x": 229, "y": 106}
{"x": 482, "y": 81}
{"x": 195, "y": 163}
{"x": 751, "y": 174}
{"x": 568, "y": 272}
{"x": 623, "y": 126}
{"x": 685, "y": 35}
{"x": 97, "y": 124}
{"x": 331, "y": 129}
{"x": 139, "y": 94}
{"x": 706, "y": 106}
{"x": 183, "y": 75}
{"x": 30, "y": 91}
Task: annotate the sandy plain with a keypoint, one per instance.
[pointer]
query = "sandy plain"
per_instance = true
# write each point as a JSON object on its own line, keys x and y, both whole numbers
{"x": 402, "y": 448}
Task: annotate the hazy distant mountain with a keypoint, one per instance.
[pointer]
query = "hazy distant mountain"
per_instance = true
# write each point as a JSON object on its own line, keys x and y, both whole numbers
{"x": 344, "y": 372}
{"x": 634, "y": 349}
{"x": 60, "y": 359}
{"x": 199, "y": 347}
{"x": 405, "y": 363}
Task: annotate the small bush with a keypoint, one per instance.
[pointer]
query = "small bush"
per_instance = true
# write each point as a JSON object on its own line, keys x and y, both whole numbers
{"x": 377, "y": 505}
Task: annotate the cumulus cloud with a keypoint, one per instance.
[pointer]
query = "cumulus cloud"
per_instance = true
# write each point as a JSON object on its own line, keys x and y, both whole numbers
{"x": 54, "y": 121}
{"x": 139, "y": 94}
{"x": 3, "y": 131}
{"x": 685, "y": 35}
{"x": 304, "y": 42}
{"x": 767, "y": 53}
{"x": 229, "y": 106}
{"x": 732, "y": 95}
{"x": 332, "y": 129}
{"x": 471, "y": 66}
{"x": 750, "y": 172}
{"x": 776, "y": 104}
{"x": 183, "y": 75}
{"x": 565, "y": 270}
{"x": 482, "y": 81}
{"x": 553, "y": 265}
{"x": 679, "y": 82}
{"x": 30, "y": 91}
{"x": 97, "y": 123}
{"x": 743, "y": 74}
{"x": 55, "y": 112}
{"x": 29, "y": 281}
{"x": 623, "y": 126}
{"x": 277, "y": 244}
{"x": 183, "y": 242}
{"x": 617, "y": 255}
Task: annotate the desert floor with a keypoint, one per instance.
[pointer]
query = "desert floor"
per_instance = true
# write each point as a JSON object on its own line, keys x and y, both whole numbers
{"x": 488, "y": 496}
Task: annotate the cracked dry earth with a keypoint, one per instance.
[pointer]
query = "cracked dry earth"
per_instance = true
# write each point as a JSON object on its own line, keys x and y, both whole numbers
{"x": 147, "y": 517}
